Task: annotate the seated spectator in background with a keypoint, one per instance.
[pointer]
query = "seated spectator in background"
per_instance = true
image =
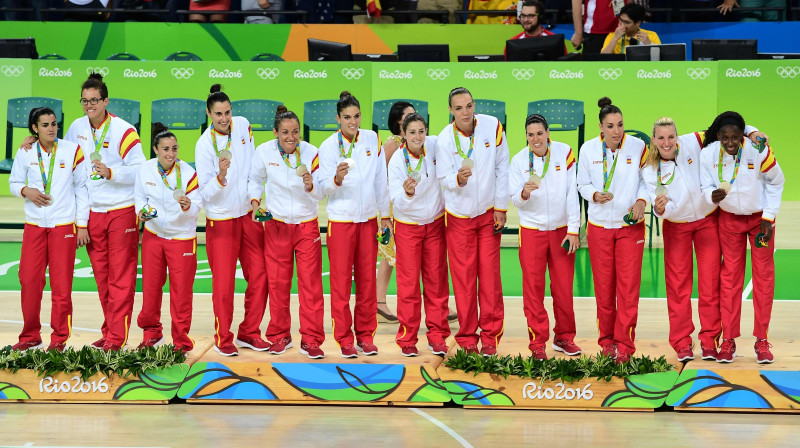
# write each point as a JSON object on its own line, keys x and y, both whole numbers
{"x": 531, "y": 18}
{"x": 261, "y": 5}
{"x": 628, "y": 31}
{"x": 593, "y": 20}
{"x": 209, "y": 5}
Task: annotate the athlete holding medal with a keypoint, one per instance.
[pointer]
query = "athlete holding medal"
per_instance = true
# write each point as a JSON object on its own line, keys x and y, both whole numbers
{"x": 289, "y": 166}
{"x": 543, "y": 186}
{"x": 472, "y": 166}
{"x": 222, "y": 156}
{"x": 747, "y": 183}
{"x": 353, "y": 175}
{"x": 169, "y": 187}
{"x": 609, "y": 177}
{"x": 420, "y": 240}
{"x": 52, "y": 182}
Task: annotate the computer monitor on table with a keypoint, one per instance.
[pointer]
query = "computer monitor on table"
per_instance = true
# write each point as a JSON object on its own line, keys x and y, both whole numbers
{"x": 724, "y": 49}
{"x": 423, "y": 53}
{"x": 543, "y": 48}
{"x": 323, "y": 50}
{"x": 668, "y": 52}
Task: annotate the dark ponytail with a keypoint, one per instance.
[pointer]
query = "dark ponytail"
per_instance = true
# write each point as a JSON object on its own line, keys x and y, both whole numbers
{"x": 346, "y": 99}
{"x": 724, "y": 119}
{"x": 95, "y": 81}
{"x": 282, "y": 113}
{"x": 216, "y": 96}
{"x": 457, "y": 91}
{"x": 159, "y": 131}
{"x": 536, "y": 118}
{"x": 606, "y": 107}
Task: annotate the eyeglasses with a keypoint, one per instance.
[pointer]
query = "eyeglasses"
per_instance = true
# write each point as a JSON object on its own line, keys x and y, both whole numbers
{"x": 528, "y": 16}
{"x": 93, "y": 101}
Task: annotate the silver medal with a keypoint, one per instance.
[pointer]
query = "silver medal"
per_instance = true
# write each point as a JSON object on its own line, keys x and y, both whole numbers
{"x": 48, "y": 202}
{"x": 661, "y": 190}
{"x": 95, "y": 157}
{"x": 535, "y": 179}
{"x": 225, "y": 154}
{"x": 301, "y": 170}
{"x": 610, "y": 195}
{"x": 725, "y": 186}
{"x": 350, "y": 163}
{"x": 177, "y": 194}
{"x": 468, "y": 163}
{"x": 415, "y": 176}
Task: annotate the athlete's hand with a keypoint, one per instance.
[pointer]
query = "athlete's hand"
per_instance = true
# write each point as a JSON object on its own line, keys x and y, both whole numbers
{"x": 601, "y": 198}
{"x": 718, "y": 195}
{"x": 341, "y": 170}
{"x": 767, "y": 230}
{"x": 463, "y": 175}
{"x": 142, "y": 217}
{"x": 224, "y": 164}
{"x": 308, "y": 182}
{"x": 27, "y": 144}
{"x": 409, "y": 186}
{"x": 660, "y": 204}
{"x": 755, "y": 135}
{"x": 101, "y": 169}
{"x": 386, "y": 223}
{"x": 638, "y": 209}
{"x": 83, "y": 236}
{"x": 38, "y": 198}
{"x": 527, "y": 189}
{"x": 185, "y": 202}
{"x": 499, "y": 219}
{"x": 574, "y": 243}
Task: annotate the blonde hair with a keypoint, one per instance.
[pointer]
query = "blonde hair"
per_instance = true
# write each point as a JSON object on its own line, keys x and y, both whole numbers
{"x": 652, "y": 154}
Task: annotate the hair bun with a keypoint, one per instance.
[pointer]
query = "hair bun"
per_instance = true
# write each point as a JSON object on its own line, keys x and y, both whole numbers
{"x": 344, "y": 95}
{"x": 158, "y": 127}
{"x": 604, "y": 102}
{"x": 97, "y": 76}
{"x": 280, "y": 109}
{"x": 216, "y": 88}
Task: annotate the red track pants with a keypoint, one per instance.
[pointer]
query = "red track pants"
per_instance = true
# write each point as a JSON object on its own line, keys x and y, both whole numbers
{"x": 678, "y": 241}
{"x": 283, "y": 243}
{"x": 616, "y": 258}
{"x": 180, "y": 257}
{"x": 114, "y": 252}
{"x": 474, "y": 257}
{"x": 540, "y": 251}
{"x": 41, "y": 247}
{"x": 734, "y": 232}
{"x": 353, "y": 252}
{"x": 421, "y": 251}
{"x": 226, "y": 241}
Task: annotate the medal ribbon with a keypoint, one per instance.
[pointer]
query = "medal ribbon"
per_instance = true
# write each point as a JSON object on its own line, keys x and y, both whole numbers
{"x": 736, "y": 167}
{"x": 286, "y": 157}
{"x": 546, "y": 161}
{"x": 608, "y": 177}
{"x": 99, "y": 143}
{"x": 163, "y": 174}
{"x": 214, "y": 139}
{"x": 408, "y": 161}
{"x": 471, "y": 140}
{"x": 341, "y": 146}
{"x": 660, "y": 181}
{"x": 47, "y": 179}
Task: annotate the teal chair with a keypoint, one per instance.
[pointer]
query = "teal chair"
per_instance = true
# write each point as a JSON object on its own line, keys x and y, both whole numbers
{"x": 53, "y": 56}
{"x": 19, "y": 110}
{"x": 260, "y": 113}
{"x": 562, "y": 115}
{"x": 266, "y": 57}
{"x": 494, "y": 108}
{"x": 653, "y": 217}
{"x": 123, "y": 57}
{"x": 380, "y": 112}
{"x": 319, "y": 115}
{"x": 183, "y": 56}
{"x": 128, "y": 110}
{"x": 180, "y": 114}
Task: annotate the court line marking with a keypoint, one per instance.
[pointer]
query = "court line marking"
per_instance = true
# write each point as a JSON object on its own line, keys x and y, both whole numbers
{"x": 31, "y": 444}
{"x": 443, "y": 427}
{"x": 749, "y": 288}
{"x": 47, "y": 324}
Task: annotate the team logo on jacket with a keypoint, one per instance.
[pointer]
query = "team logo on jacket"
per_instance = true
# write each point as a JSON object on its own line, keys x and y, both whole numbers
{"x": 610, "y": 73}
{"x": 101, "y": 70}
{"x": 352, "y": 73}
{"x": 243, "y": 141}
{"x": 12, "y": 71}
{"x": 788, "y": 72}
{"x": 690, "y": 161}
{"x": 62, "y": 165}
{"x": 438, "y": 74}
{"x": 629, "y": 160}
{"x": 368, "y": 153}
{"x": 698, "y": 73}
{"x": 750, "y": 165}
{"x": 558, "y": 167}
{"x": 268, "y": 73}
{"x": 182, "y": 73}
{"x": 523, "y": 74}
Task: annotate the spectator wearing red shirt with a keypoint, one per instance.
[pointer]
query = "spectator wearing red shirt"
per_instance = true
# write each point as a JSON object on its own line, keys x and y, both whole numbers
{"x": 594, "y": 22}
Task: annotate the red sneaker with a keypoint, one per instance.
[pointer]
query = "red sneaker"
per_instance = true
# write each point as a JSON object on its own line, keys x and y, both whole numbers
{"x": 763, "y": 355}
{"x": 438, "y": 348}
{"x": 348, "y": 351}
{"x": 28, "y": 345}
{"x": 609, "y": 350}
{"x": 566, "y": 346}
{"x": 280, "y": 346}
{"x": 488, "y": 350}
{"x": 538, "y": 352}
{"x": 152, "y": 342}
{"x": 183, "y": 348}
{"x": 109, "y": 347}
{"x": 311, "y": 350}
{"x": 56, "y": 346}
{"x": 409, "y": 350}
{"x": 708, "y": 354}
{"x": 98, "y": 344}
{"x": 727, "y": 351}
{"x": 368, "y": 348}
{"x": 685, "y": 353}
{"x": 256, "y": 344}
{"x": 226, "y": 350}
{"x": 472, "y": 348}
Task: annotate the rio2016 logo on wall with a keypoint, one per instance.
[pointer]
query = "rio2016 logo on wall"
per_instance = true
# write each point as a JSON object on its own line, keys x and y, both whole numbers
{"x": 225, "y": 74}
{"x": 395, "y": 74}
{"x": 566, "y": 74}
{"x": 654, "y": 74}
{"x": 141, "y": 73}
{"x": 788, "y": 72}
{"x": 698, "y": 73}
{"x": 438, "y": 74}
{"x": 742, "y": 73}
{"x": 610, "y": 73}
{"x": 480, "y": 74}
{"x": 268, "y": 73}
{"x": 310, "y": 74}
{"x": 101, "y": 70}
{"x": 352, "y": 73}
{"x": 182, "y": 73}
{"x": 12, "y": 71}
{"x": 523, "y": 74}
{"x": 55, "y": 73}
